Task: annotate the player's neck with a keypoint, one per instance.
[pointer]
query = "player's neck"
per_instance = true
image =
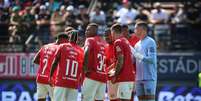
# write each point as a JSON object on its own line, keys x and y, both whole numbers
{"x": 143, "y": 37}
{"x": 63, "y": 41}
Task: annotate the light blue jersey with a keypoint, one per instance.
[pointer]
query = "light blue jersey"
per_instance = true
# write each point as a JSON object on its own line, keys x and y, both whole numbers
{"x": 146, "y": 59}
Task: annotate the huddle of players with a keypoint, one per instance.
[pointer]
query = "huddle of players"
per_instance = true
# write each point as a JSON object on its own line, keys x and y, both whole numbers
{"x": 64, "y": 66}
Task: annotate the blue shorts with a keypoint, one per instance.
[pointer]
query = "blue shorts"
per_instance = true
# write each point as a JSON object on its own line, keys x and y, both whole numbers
{"x": 145, "y": 87}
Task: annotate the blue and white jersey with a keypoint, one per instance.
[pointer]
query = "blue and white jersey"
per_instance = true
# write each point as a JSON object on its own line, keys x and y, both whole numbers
{"x": 145, "y": 54}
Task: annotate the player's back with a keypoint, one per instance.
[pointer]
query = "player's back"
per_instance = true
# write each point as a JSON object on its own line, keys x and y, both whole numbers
{"x": 122, "y": 46}
{"x": 96, "y": 59}
{"x": 47, "y": 54}
{"x": 70, "y": 65}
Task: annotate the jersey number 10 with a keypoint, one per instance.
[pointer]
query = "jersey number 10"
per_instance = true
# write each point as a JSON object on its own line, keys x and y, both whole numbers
{"x": 71, "y": 70}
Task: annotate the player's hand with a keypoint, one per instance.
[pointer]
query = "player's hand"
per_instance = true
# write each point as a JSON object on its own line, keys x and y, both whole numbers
{"x": 50, "y": 82}
{"x": 113, "y": 79}
{"x": 111, "y": 72}
{"x": 87, "y": 73}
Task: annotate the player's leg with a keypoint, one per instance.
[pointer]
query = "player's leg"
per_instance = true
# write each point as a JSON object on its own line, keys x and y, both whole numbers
{"x": 112, "y": 91}
{"x": 147, "y": 91}
{"x": 60, "y": 94}
{"x": 50, "y": 91}
{"x": 72, "y": 94}
{"x": 150, "y": 90}
{"x": 42, "y": 92}
{"x": 133, "y": 92}
{"x": 89, "y": 89}
{"x": 100, "y": 93}
{"x": 139, "y": 88}
{"x": 124, "y": 91}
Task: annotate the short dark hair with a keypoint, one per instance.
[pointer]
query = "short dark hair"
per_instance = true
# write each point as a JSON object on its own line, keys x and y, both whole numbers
{"x": 73, "y": 36}
{"x": 93, "y": 24}
{"x": 68, "y": 28}
{"x": 116, "y": 28}
{"x": 62, "y": 35}
{"x": 125, "y": 26}
{"x": 107, "y": 31}
{"x": 143, "y": 25}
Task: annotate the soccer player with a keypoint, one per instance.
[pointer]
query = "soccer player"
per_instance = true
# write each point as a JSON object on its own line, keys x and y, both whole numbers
{"x": 110, "y": 63}
{"x": 94, "y": 84}
{"x": 124, "y": 70}
{"x": 68, "y": 61}
{"x": 66, "y": 32}
{"x": 44, "y": 58}
{"x": 132, "y": 38}
{"x": 146, "y": 67}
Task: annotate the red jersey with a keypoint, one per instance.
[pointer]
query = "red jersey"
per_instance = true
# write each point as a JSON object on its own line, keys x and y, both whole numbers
{"x": 96, "y": 58}
{"x": 69, "y": 66}
{"x": 133, "y": 40}
{"x": 122, "y": 47}
{"x": 110, "y": 57}
{"x": 47, "y": 54}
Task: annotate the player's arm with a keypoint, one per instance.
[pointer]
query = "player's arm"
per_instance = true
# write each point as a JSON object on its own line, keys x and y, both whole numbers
{"x": 86, "y": 53}
{"x": 151, "y": 54}
{"x": 87, "y": 48}
{"x": 119, "y": 58}
{"x": 119, "y": 65}
{"x": 36, "y": 59}
{"x": 55, "y": 63}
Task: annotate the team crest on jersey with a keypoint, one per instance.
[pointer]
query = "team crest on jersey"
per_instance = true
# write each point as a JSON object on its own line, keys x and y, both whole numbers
{"x": 118, "y": 49}
{"x": 151, "y": 49}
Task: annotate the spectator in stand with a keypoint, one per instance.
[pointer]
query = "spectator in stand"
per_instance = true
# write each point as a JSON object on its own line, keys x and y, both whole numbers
{"x": 158, "y": 15}
{"x": 67, "y": 2}
{"x": 62, "y": 10}
{"x": 69, "y": 17}
{"x": 143, "y": 15}
{"x": 126, "y": 14}
{"x": 53, "y": 5}
{"x": 178, "y": 16}
{"x": 3, "y": 25}
{"x": 159, "y": 18}
{"x": 29, "y": 21}
{"x": 193, "y": 16}
{"x": 56, "y": 22}
{"x": 82, "y": 18}
{"x": 43, "y": 24}
{"x": 16, "y": 3}
{"x": 193, "y": 19}
{"x": 16, "y": 27}
{"x": 98, "y": 16}
{"x": 5, "y": 3}
{"x": 110, "y": 17}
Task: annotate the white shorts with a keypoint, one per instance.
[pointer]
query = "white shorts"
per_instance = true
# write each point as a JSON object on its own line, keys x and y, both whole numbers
{"x": 65, "y": 94}
{"x": 93, "y": 90}
{"x": 112, "y": 90}
{"x": 43, "y": 90}
{"x": 124, "y": 90}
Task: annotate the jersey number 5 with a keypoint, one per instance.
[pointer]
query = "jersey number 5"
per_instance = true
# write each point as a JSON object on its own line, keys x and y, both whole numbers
{"x": 71, "y": 70}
